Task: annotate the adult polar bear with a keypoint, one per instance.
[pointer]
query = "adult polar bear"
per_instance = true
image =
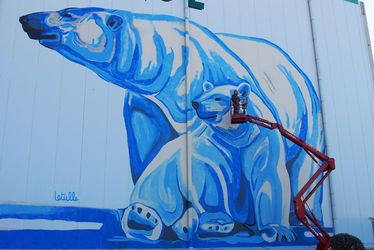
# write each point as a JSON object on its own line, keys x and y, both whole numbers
{"x": 146, "y": 55}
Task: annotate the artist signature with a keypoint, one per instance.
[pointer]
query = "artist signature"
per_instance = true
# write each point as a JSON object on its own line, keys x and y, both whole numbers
{"x": 70, "y": 196}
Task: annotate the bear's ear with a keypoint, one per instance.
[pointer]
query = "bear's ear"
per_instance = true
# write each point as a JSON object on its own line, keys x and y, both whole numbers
{"x": 114, "y": 22}
{"x": 207, "y": 86}
{"x": 244, "y": 87}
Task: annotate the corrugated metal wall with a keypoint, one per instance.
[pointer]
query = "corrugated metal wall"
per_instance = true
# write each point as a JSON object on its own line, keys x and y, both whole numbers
{"x": 61, "y": 126}
{"x": 347, "y": 92}
{"x": 285, "y": 23}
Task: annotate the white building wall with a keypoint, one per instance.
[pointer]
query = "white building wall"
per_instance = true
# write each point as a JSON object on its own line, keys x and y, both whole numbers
{"x": 61, "y": 130}
{"x": 49, "y": 120}
{"x": 347, "y": 94}
{"x": 52, "y": 137}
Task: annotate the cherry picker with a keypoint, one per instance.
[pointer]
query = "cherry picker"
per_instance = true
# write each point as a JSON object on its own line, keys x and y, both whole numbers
{"x": 327, "y": 165}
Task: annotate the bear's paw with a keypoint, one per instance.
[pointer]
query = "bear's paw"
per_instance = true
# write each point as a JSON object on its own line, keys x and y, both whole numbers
{"x": 280, "y": 233}
{"x": 187, "y": 225}
{"x": 213, "y": 224}
{"x": 140, "y": 221}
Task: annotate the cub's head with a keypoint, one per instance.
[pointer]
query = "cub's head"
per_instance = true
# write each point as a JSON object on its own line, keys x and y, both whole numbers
{"x": 214, "y": 104}
{"x": 87, "y": 34}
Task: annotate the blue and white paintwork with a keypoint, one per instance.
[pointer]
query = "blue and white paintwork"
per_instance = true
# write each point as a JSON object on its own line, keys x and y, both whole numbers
{"x": 242, "y": 177}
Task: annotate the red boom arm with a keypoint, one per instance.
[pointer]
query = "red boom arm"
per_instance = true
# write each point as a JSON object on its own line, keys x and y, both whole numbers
{"x": 327, "y": 165}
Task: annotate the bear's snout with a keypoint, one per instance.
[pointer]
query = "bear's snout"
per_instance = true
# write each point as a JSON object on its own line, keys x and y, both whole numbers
{"x": 35, "y": 27}
{"x": 33, "y": 21}
{"x": 30, "y": 25}
{"x": 195, "y": 105}
{"x": 23, "y": 20}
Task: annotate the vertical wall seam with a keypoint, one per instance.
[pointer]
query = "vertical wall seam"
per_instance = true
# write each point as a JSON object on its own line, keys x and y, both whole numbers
{"x": 187, "y": 74}
{"x": 359, "y": 114}
{"x": 10, "y": 83}
{"x": 58, "y": 121}
{"x": 33, "y": 121}
{"x": 337, "y": 131}
{"x": 344, "y": 95}
{"x": 5, "y": 125}
{"x": 368, "y": 56}
{"x": 83, "y": 123}
{"x": 32, "y": 134}
{"x": 367, "y": 36}
{"x": 315, "y": 54}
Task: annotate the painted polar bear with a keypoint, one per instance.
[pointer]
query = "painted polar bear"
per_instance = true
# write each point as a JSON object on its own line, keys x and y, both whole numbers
{"x": 256, "y": 154}
{"x": 148, "y": 57}
{"x": 189, "y": 202}
{"x": 234, "y": 179}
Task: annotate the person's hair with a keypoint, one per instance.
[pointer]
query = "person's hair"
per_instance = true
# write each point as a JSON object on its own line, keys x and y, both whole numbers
{"x": 345, "y": 242}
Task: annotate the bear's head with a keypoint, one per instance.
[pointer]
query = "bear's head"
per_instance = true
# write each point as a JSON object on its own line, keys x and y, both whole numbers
{"x": 214, "y": 104}
{"x": 88, "y": 32}
{"x": 92, "y": 37}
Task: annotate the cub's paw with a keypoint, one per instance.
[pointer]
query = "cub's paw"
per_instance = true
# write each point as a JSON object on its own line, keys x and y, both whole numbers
{"x": 216, "y": 224}
{"x": 274, "y": 233}
{"x": 140, "y": 221}
{"x": 187, "y": 225}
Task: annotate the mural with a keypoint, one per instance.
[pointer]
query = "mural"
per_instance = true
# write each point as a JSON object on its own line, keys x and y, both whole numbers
{"x": 235, "y": 183}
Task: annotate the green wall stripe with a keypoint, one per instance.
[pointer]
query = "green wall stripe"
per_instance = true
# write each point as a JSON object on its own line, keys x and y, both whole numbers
{"x": 352, "y": 1}
{"x": 195, "y": 4}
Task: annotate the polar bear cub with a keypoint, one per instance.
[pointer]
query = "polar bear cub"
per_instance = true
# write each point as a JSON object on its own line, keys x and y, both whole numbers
{"x": 261, "y": 156}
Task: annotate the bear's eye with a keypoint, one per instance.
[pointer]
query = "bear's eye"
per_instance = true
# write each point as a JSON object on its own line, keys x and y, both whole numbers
{"x": 114, "y": 22}
{"x": 218, "y": 99}
{"x": 66, "y": 15}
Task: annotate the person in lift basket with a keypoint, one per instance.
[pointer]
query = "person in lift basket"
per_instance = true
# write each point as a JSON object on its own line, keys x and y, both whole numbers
{"x": 235, "y": 99}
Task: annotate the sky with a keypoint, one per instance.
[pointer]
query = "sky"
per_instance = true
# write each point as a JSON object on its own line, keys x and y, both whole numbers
{"x": 369, "y": 6}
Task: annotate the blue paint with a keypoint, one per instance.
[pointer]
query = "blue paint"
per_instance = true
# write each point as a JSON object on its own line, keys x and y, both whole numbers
{"x": 70, "y": 196}
{"x": 110, "y": 235}
{"x": 243, "y": 177}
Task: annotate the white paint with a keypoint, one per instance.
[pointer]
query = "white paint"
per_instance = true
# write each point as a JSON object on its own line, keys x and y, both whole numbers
{"x": 43, "y": 224}
{"x": 149, "y": 52}
{"x": 91, "y": 34}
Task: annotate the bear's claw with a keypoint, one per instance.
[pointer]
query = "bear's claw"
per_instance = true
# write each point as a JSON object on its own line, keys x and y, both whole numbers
{"x": 278, "y": 233}
{"x": 216, "y": 223}
{"x": 187, "y": 225}
{"x": 140, "y": 221}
